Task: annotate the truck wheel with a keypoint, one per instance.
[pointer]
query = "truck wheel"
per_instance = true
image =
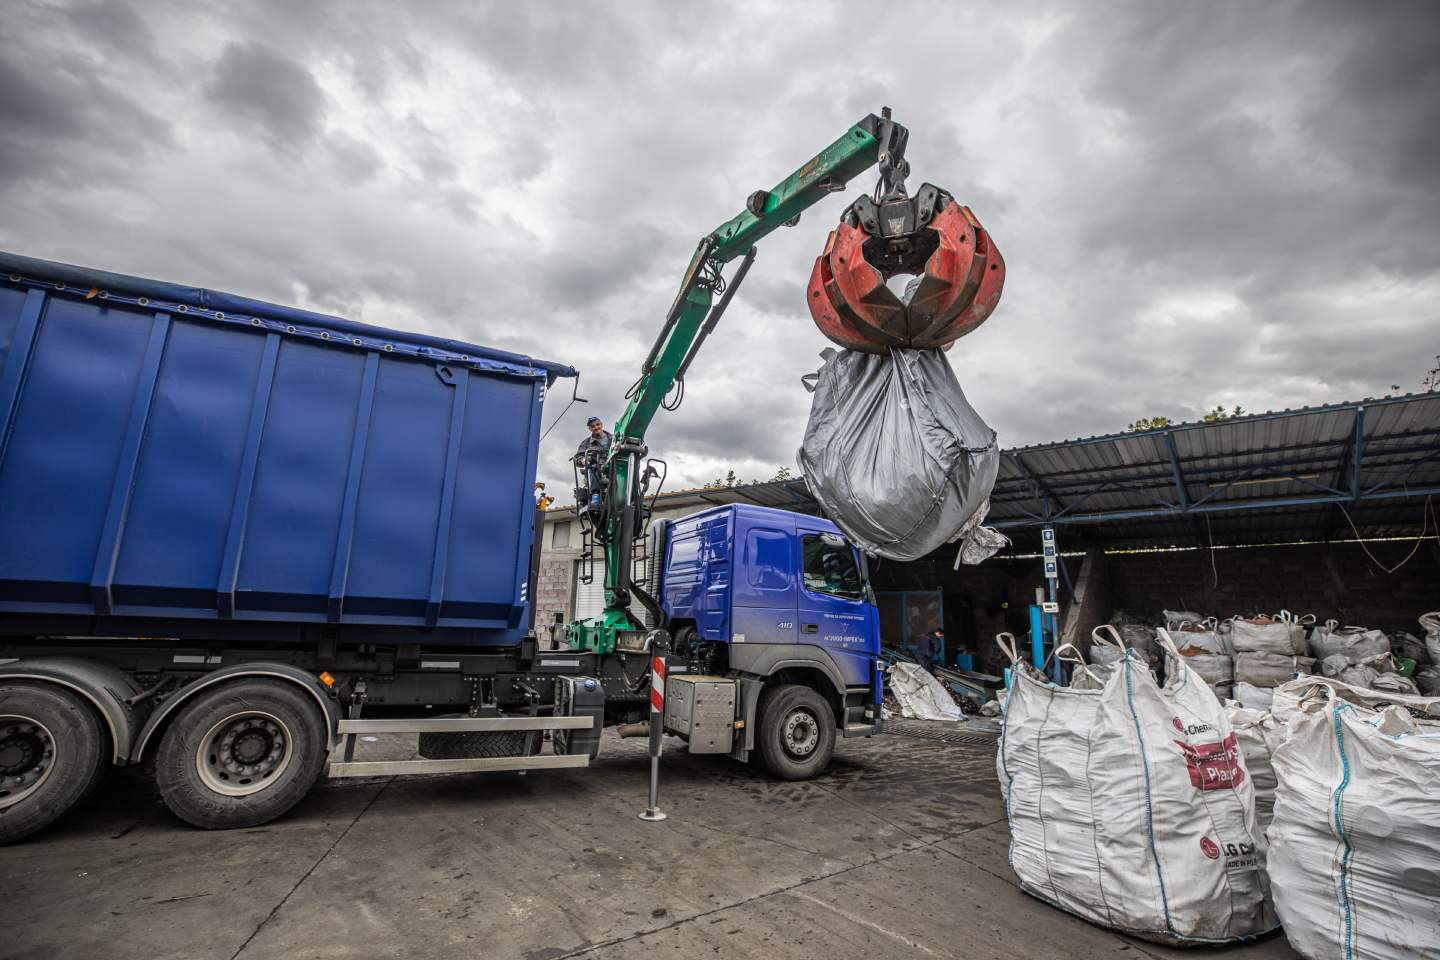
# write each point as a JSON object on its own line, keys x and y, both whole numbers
{"x": 52, "y": 752}
{"x": 241, "y": 754}
{"x": 797, "y": 732}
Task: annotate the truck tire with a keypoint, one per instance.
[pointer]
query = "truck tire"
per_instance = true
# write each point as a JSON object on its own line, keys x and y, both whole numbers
{"x": 797, "y": 732}
{"x": 53, "y": 751}
{"x": 241, "y": 754}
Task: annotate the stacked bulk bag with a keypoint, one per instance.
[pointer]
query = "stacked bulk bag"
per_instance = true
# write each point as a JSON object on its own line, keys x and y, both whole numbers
{"x": 1427, "y": 678}
{"x": 1356, "y": 644}
{"x": 1130, "y": 804}
{"x": 1270, "y": 669}
{"x": 1258, "y": 733}
{"x": 1282, "y": 634}
{"x": 1353, "y": 858}
{"x": 1204, "y": 650}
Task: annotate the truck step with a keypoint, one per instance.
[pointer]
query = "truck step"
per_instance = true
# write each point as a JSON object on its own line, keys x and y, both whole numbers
{"x": 390, "y": 768}
{"x": 465, "y": 725}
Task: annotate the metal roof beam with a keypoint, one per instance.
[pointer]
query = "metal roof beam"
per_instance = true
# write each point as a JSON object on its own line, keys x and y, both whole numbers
{"x": 1229, "y": 506}
{"x": 1039, "y": 484}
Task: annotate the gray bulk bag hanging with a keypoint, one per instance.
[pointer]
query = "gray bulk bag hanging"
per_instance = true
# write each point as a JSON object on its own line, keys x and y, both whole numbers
{"x": 894, "y": 453}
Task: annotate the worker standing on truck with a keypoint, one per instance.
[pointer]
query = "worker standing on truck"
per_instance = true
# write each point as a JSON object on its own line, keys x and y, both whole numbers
{"x": 591, "y": 456}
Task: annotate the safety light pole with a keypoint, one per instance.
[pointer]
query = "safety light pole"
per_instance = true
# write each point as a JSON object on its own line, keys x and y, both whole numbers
{"x": 652, "y": 811}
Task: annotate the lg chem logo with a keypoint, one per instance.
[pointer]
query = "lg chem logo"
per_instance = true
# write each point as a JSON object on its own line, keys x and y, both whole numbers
{"x": 1192, "y": 729}
{"x": 1209, "y": 848}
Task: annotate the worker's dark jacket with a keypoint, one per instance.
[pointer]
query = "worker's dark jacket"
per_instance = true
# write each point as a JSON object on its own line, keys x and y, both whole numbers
{"x": 591, "y": 456}
{"x": 593, "y": 451}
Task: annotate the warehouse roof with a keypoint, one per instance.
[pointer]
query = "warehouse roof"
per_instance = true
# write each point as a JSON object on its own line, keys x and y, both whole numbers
{"x": 1284, "y": 475}
{"x": 1304, "y": 474}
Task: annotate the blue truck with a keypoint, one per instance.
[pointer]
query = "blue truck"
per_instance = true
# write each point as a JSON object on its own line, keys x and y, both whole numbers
{"x": 235, "y": 536}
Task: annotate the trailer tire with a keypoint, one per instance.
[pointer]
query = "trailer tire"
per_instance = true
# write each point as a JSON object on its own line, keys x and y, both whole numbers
{"x": 241, "y": 754}
{"x": 53, "y": 751}
{"x": 797, "y": 732}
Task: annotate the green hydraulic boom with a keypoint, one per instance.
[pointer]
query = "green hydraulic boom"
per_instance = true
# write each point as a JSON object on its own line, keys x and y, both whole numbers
{"x": 874, "y": 140}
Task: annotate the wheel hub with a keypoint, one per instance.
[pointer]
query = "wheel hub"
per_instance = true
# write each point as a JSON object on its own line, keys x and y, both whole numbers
{"x": 242, "y": 754}
{"x": 27, "y": 756}
{"x": 801, "y": 732}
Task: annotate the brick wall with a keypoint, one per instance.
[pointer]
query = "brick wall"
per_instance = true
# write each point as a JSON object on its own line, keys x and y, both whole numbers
{"x": 1329, "y": 580}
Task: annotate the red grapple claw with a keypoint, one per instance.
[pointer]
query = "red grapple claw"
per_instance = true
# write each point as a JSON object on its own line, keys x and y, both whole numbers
{"x": 959, "y": 289}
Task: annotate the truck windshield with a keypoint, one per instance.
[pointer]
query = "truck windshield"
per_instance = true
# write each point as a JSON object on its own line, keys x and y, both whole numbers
{"x": 830, "y": 567}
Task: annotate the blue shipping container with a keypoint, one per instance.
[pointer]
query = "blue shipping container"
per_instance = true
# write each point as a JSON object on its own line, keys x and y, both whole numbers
{"x": 175, "y": 452}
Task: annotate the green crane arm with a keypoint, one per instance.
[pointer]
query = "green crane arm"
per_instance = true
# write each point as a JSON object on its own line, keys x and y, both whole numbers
{"x": 874, "y": 140}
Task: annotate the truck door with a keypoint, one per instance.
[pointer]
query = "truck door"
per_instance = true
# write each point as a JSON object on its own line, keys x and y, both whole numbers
{"x": 765, "y": 590}
{"x": 833, "y": 611}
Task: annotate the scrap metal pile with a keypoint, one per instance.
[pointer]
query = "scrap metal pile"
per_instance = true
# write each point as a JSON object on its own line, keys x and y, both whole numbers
{"x": 893, "y": 451}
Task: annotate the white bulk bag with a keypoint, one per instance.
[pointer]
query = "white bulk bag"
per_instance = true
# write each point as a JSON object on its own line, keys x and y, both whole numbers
{"x": 1281, "y": 634}
{"x": 1130, "y": 805}
{"x": 1254, "y": 698}
{"x": 1288, "y": 696}
{"x": 1357, "y": 644}
{"x": 1270, "y": 669}
{"x": 920, "y": 695}
{"x": 1353, "y": 853}
{"x": 1202, "y": 637}
{"x": 1258, "y": 734}
{"x": 1430, "y": 623}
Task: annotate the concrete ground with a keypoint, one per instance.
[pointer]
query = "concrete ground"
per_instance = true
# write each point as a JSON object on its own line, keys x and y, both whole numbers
{"x": 898, "y": 851}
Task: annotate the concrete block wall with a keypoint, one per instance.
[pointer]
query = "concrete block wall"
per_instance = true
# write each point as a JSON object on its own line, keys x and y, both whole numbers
{"x": 1329, "y": 580}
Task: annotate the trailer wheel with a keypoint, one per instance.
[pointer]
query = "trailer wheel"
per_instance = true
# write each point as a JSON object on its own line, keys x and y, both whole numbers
{"x": 797, "y": 732}
{"x": 52, "y": 753}
{"x": 241, "y": 754}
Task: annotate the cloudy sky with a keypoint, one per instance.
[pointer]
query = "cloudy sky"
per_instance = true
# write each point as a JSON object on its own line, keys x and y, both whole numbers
{"x": 1199, "y": 204}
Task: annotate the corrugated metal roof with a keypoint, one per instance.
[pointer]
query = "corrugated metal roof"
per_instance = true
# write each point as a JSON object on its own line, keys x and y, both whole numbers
{"x": 1280, "y": 476}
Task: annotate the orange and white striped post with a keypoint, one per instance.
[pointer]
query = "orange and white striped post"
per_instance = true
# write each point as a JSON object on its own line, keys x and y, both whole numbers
{"x": 652, "y": 811}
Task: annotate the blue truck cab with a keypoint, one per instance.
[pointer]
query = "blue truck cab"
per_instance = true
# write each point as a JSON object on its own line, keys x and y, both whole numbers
{"x": 769, "y": 594}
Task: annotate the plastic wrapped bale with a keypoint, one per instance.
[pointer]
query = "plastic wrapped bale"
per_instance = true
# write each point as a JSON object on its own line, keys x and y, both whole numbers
{"x": 1258, "y": 734}
{"x": 1269, "y": 669}
{"x": 1355, "y": 643}
{"x": 894, "y": 453}
{"x": 1281, "y": 634}
{"x": 1353, "y": 858}
{"x": 1130, "y": 805}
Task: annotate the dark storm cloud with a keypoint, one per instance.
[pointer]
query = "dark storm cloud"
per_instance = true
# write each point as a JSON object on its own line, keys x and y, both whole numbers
{"x": 273, "y": 94}
{"x": 59, "y": 121}
{"x": 1198, "y": 204}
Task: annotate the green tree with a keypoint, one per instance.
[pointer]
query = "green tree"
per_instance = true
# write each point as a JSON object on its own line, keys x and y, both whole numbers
{"x": 1149, "y": 423}
{"x": 782, "y": 474}
{"x": 1220, "y": 413}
